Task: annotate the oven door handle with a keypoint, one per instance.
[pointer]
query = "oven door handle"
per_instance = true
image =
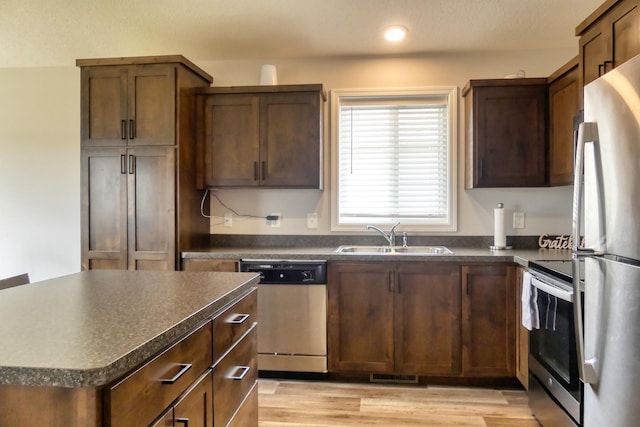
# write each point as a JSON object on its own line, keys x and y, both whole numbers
{"x": 587, "y": 132}
{"x": 552, "y": 290}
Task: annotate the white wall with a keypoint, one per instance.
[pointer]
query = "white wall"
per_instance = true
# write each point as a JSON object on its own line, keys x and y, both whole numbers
{"x": 40, "y": 154}
{"x": 39, "y": 172}
{"x": 547, "y": 210}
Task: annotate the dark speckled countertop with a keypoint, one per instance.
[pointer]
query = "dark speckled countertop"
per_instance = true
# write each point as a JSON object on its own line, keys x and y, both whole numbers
{"x": 88, "y": 329}
{"x": 520, "y": 256}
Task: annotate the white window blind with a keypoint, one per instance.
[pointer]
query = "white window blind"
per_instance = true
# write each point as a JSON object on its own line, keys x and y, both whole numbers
{"x": 394, "y": 159}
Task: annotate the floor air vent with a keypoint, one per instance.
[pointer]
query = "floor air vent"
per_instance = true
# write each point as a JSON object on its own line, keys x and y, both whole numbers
{"x": 395, "y": 379}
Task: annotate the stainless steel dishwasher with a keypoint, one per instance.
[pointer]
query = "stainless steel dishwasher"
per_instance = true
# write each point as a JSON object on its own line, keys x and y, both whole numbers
{"x": 292, "y": 314}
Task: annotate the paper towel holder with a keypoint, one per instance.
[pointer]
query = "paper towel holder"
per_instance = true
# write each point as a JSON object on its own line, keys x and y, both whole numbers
{"x": 495, "y": 247}
{"x": 500, "y": 248}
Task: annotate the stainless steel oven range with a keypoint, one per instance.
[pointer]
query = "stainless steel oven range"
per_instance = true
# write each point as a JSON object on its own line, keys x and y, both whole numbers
{"x": 555, "y": 389}
{"x": 292, "y": 316}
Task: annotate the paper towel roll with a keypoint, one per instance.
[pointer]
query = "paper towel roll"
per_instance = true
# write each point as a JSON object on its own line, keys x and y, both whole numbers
{"x": 499, "y": 238}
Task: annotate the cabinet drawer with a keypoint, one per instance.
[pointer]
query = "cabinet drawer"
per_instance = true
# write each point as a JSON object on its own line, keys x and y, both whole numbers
{"x": 247, "y": 415}
{"x": 143, "y": 395}
{"x": 231, "y": 324}
{"x": 233, "y": 377}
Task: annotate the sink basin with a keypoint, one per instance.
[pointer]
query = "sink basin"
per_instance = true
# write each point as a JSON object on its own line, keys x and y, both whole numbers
{"x": 396, "y": 250}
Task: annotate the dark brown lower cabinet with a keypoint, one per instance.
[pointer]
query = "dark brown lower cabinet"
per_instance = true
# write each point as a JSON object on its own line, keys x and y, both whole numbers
{"x": 438, "y": 319}
{"x": 360, "y": 317}
{"x": 398, "y": 318}
{"x": 489, "y": 316}
{"x": 522, "y": 337}
{"x": 427, "y": 318}
{"x": 194, "y": 409}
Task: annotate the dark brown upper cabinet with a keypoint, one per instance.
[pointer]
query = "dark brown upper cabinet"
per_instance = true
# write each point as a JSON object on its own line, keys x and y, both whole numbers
{"x": 140, "y": 205}
{"x": 564, "y": 106}
{"x": 261, "y": 136}
{"x": 608, "y": 37}
{"x": 506, "y": 132}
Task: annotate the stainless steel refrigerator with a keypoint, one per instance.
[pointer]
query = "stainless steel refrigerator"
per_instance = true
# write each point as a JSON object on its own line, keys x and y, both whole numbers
{"x": 607, "y": 209}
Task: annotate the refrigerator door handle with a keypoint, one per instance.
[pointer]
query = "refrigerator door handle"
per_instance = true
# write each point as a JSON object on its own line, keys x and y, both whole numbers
{"x": 587, "y": 132}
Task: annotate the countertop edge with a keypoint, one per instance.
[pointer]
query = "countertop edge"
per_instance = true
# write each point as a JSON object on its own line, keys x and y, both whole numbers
{"x": 471, "y": 255}
{"x": 97, "y": 377}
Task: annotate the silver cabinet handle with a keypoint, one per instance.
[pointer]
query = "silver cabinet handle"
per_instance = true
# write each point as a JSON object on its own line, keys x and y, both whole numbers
{"x": 240, "y": 373}
{"x": 184, "y": 367}
{"x": 183, "y": 421}
{"x": 238, "y": 319}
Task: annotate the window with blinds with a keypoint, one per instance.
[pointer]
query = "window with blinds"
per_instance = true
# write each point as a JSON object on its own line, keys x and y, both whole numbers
{"x": 393, "y": 158}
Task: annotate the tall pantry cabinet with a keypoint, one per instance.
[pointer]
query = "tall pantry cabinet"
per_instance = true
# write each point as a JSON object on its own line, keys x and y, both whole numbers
{"x": 140, "y": 206}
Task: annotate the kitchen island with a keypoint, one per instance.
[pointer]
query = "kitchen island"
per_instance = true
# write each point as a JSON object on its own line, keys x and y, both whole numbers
{"x": 72, "y": 346}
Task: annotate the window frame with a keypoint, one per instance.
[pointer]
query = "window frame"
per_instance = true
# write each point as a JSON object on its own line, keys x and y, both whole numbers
{"x": 448, "y": 92}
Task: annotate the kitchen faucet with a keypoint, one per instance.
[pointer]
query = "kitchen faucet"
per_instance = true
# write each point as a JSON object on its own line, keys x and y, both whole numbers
{"x": 389, "y": 237}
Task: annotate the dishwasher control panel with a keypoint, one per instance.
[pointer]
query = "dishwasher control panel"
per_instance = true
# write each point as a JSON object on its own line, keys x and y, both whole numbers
{"x": 294, "y": 272}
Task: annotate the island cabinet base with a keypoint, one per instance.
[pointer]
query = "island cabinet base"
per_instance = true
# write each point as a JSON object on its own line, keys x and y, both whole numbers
{"x": 28, "y": 406}
{"x": 206, "y": 379}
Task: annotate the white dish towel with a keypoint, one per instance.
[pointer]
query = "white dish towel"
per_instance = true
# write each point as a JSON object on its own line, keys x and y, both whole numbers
{"x": 530, "y": 315}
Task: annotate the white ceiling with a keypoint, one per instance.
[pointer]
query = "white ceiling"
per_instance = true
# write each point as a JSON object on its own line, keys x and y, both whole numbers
{"x": 56, "y": 32}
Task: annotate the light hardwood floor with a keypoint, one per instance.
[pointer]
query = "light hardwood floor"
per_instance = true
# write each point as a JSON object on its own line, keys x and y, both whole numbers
{"x": 329, "y": 404}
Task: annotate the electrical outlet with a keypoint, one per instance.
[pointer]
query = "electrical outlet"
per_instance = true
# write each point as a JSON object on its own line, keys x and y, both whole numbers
{"x": 276, "y": 222}
{"x": 228, "y": 220}
{"x": 518, "y": 220}
{"x": 312, "y": 220}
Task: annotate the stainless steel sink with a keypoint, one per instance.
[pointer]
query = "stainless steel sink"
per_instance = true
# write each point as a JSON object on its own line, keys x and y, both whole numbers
{"x": 397, "y": 250}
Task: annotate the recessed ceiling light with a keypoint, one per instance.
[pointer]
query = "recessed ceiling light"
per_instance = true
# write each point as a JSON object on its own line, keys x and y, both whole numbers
{"x": 395, "y": 33}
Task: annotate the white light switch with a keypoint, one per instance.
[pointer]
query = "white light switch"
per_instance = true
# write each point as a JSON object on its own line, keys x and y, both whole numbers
{"x": 518, "y": 220}
{"x": 312, "y": 220}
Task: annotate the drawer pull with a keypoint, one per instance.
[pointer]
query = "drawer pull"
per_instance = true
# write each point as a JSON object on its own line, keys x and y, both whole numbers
{"x": 238, "y": 319}
{"x": 240, "y": 373}
{"x": 184, "y": 368}
{"x": 183, "y": 421}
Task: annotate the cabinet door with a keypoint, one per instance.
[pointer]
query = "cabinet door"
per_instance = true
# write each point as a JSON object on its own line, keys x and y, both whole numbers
{"x": 103, "y": 106}
{"x": 151, "y": 105}
{"x": 195, "y": 408}
{"x": 510, "y": 136}
{"x": 488, "y": 321}
{"x": 428, "y": 318}
{"x": 231, "y": 141}
{"x": 593, "y": 53}
{"x": 611, "y": 41}
{"x": 360, "y": 317}
{"x": 151, "y": 208}
{"x": 104, "y": 208}
{"x": 128, "y": 105}
{"x": 564, "y": 105}
{"x": 522, "y": 336}
{"x": 290, "y": 139}
{"x": 625, "y": 31}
